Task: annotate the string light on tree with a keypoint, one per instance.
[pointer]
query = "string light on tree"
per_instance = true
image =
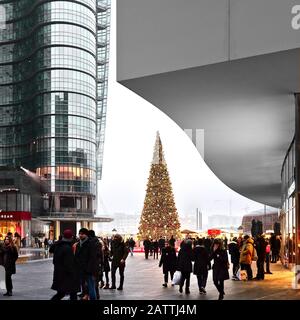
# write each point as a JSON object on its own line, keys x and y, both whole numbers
{"x": 159, "y": 216}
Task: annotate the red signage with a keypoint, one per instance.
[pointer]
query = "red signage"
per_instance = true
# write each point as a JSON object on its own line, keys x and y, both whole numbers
{"x": 15, "y": 215}
{"x": 213, "y": 232}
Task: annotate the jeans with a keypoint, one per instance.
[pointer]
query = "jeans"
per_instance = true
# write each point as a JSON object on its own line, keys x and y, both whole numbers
{"x": 202, "y": 279}
{"x": 131, "y": 250}
{"x": 155, "y": 254}
{"x": 8, "y": 282}
{"x": 59, "y": 295}
{"x": 185, "y": 276}
{"x": 166, "y": 275}
{"x": 91, "y": 287}
{"x": 247, "y": 267}
{"x": 121, "y": 272}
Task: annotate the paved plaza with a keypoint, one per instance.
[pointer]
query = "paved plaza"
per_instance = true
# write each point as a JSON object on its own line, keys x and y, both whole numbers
{"x": 143, "y": 280}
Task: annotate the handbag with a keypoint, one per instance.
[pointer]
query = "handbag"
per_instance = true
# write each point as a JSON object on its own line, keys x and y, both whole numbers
{"x": 243, "y": 275}
{"x": 176, "y": 278}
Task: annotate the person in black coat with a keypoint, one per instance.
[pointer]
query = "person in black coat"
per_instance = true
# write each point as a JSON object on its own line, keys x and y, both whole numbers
{"x": 161, "y": 244}
{"x": 147, "y": 246}
{"x": 261, "y": 257}
{"x": 106, "y": 266}
{"x": 119, "y": 253}
{"x": 184, "y": 264}
{"x": 155, "y": 249}
{"x": 86, "y": 260}
{"x": 208, "y": 244}
{"x": 168, "y": 261}
{"x": 234, "y": 252}
{"x": 201, "y": 265}
{"x": 66, "y": 279}
{"x": 220, "y": 267}
{"x": 9, "y": 256}
{"x": 131, "y": 245}
{"x": 99, "y": 256}
{"x": 172, "y": 241}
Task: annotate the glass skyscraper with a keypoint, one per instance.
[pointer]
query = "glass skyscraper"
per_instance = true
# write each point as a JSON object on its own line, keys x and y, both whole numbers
{"x": 53, "y": 97}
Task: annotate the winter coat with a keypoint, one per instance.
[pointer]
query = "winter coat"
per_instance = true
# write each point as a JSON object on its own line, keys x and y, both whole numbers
{"x": 172, "y": 242}
{"x": 155, "y": 245}
{"x": 201, "y": 258}
{"x": 9, "y": 256}
{"x": 147, "y": 244}
{"x": 247, "y": 252}
{"x": 234, "y": 252}
{"x": 168, "y": 259}
{"x": 119, "y": 251}
{"x": 221, "y": 265}
{"x": 86, "y": 257}
{"x": 131, "y": 243}
{"x": 261, "y": 249}
{"x": 207, "y": 244}
{"x": 97, "y": 245}
{"x": 66, "y": 276}
{"x": 185, "y": 257}
{"x": 161, "y": 243}
{"x": 106, "y": 255}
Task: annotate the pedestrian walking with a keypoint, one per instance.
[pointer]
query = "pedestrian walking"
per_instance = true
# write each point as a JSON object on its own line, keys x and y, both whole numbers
{"x": 168, "y": 261}
{"x": 161, "y": 244}
{"x": 261, "y": 257}
{"x": 86, "y": 259}
{"x": 9, "y": 256}
{"x": 220, "y": 267}
{"x": 234, "y": 252}
{"x": 201, "y": 265}
{"x": 172, "y": 241}
{"x": 46, "y": 244}
{"x": 268, "y": 250}
{"x": 119, "y": 253}
{"x": 208, "y": 244}
{"x": 155, "y": 249}
{"x": 106, "y": 265}
{"x": 246, "y": 255}
{"x": 97, "y": 246}
{"x": 131, "y": 244}
{"x": 184, "y": 265}
{"x": 147, "y": 245}
{"x": 66, "y": 279}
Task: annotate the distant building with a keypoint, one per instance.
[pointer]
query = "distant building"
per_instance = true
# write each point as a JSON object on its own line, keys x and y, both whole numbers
{"x": 123, "y": 223}
{"x": 267, "y": 218}
{"x": 224, "y": 221}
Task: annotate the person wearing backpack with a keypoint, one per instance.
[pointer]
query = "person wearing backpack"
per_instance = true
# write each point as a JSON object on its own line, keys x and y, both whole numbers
{"x": 246, "y": 256}
{"x": 261, "y": 257}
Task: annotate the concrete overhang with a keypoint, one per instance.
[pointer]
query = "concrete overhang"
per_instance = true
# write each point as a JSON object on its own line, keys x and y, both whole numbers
{"x": 242, "y": 99}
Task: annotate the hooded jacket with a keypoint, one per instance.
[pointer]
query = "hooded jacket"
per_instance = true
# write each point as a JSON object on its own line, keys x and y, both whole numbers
{"x": 247, "y": 252}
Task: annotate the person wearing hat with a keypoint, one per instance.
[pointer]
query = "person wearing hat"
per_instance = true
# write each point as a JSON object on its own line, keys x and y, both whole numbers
{"x": 65, "y": 276}
{"x": 220, "y": 267}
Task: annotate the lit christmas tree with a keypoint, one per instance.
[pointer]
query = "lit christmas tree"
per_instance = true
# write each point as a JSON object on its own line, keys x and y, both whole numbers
{"x": 159, "y": 216}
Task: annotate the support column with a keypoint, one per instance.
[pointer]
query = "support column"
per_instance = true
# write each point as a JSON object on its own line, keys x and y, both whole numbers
{"x": 297, "y": 177}
{"x": 57, "y": 229}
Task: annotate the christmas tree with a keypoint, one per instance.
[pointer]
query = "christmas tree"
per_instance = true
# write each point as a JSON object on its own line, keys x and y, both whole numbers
{"x": 159, "y": 216}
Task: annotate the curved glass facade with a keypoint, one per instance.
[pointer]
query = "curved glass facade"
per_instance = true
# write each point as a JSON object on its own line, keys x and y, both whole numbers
{"x": 50, "y": 92}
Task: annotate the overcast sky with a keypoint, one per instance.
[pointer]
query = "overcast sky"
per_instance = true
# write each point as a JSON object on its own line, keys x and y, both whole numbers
{"x": 131, "y": 129}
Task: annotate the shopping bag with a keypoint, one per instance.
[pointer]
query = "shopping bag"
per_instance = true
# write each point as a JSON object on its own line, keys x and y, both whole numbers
{"x": 243, "y": 275}
{"x": 176, "y": 278}
{"x": 2, "y": 278}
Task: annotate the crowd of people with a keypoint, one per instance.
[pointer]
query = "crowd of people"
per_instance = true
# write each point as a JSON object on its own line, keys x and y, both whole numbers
{"x": 85, "y": 264}
{"x": 202, "y": 251}
{"x": 81, "y": 263}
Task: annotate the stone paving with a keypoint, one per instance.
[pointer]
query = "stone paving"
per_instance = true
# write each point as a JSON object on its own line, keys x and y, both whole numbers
{"x": 143, "y": 280}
